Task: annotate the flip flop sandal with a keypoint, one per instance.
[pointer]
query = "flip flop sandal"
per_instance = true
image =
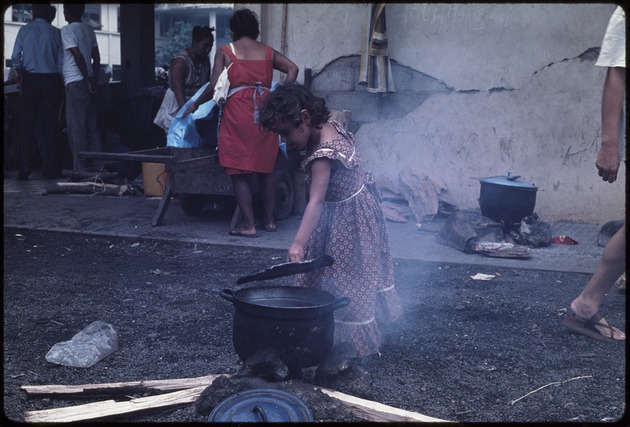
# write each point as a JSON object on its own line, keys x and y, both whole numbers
{"x": 587, "y": 327}
{"x": 239, "y": 234}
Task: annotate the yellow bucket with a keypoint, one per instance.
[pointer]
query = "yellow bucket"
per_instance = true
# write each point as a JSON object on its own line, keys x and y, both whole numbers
{"x": 154, "y": 178}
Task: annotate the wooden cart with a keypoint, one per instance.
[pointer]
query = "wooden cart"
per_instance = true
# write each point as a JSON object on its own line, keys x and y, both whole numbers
{"x": 196, "y": 176}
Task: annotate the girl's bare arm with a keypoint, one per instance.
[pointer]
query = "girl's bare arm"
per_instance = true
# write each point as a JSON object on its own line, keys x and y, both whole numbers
{"x": 320, "y": 173}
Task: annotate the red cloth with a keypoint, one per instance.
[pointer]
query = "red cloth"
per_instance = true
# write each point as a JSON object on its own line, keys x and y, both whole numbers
{"x": 243, "y": 145}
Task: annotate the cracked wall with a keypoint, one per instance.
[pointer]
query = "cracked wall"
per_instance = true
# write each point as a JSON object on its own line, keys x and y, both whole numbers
{"x": 481, "y": 90}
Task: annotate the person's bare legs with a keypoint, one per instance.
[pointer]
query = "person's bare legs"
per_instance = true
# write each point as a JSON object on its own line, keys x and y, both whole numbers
{"x": 267, "y": 184}
{"x": 243, "y": 194}
{"x": 611, "y": 266}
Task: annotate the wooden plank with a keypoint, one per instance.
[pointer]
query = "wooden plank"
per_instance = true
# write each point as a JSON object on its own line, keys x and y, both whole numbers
{"x": 204, "y": 162}
{"x": 375, "y": 411}
{"x": 108, "y": 408}
{"x": 131, "y": 156}
{"x": 362, "y": 408}
{"x": 157, "y": 385}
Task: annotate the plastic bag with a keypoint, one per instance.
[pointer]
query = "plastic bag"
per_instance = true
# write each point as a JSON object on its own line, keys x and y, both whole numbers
{"x": 222, "y": 88}
{"x": 95, "y": 342}
{"x": 183, "y": 132}
{"x": 168, "y": 110}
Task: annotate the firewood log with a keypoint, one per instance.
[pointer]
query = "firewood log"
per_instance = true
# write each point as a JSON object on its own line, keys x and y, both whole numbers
{"x": 119, "y": 387}
{"x": 86, "y": 188}
{"x": 375, "y": 411}
{"x": 91, "y": 411}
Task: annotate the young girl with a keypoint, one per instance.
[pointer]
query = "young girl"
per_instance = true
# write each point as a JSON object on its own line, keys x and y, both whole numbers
{"x": 343, "y": 218}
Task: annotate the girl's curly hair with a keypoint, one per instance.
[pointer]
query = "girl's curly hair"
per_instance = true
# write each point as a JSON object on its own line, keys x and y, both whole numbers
{"x": 285, "y": 104}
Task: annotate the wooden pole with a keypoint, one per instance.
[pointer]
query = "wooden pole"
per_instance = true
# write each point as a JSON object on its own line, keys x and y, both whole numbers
{"x": 375, "y": 411}
{"x": 91, "y": 411}
{"x": 283, "y": 41}
{"x": 87, "y": 188}
{"x": 114, "y": 388}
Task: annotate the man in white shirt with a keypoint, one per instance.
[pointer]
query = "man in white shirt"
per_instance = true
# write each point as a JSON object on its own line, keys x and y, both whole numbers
{"x": 585, "y": 317}
{"x": 81, "y": 62}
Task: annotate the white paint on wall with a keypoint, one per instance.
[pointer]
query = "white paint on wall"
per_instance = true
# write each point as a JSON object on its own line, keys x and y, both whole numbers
{"x": 544, "y": 123}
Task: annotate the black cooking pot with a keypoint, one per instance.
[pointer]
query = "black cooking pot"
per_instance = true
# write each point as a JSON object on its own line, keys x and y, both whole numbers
{"x": 297, "y": 322}
{"x": 504, "y": 198}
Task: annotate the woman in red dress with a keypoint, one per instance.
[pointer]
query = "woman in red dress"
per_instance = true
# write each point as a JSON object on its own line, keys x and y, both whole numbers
{"x": 244, "y": 148}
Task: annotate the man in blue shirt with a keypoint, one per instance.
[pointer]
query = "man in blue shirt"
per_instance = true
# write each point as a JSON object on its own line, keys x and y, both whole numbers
{"x": 38, "y": 59}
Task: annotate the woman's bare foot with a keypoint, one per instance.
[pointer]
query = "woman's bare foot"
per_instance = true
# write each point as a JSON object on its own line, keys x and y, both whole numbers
{"x": 248, "y": 231}
{"x": 271, "y": 227}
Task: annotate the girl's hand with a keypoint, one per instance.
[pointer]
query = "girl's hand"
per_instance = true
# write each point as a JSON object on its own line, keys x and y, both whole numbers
{"x": 296, "y": 252}
{"x": 320, "y": 171}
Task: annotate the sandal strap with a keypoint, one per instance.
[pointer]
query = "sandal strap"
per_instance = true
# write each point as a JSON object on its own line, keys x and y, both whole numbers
{"x": 595, "y": 320}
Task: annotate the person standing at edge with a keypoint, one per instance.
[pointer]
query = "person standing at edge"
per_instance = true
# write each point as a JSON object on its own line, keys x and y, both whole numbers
{"x": 37, "y": 58}
{"x": 81, "y": 66}
{"x": 585, "y": 317}
{"x": 189, "y": 71}
{"x": 244, "y": 148}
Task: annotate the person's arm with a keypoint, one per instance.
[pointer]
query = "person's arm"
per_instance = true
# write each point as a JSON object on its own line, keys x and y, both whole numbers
{"x": 320, "y": 176}
{"x": 60, "y": 55}
{"x": 286, "y": 66}
{"x": 205, "y": 96}
{"x": 96, "y": 68}
{"x": 16, "y": 56}
{"x": 612, "y": 104}
{"x": 177, "y": 79}
{"x": 80, "y": 61}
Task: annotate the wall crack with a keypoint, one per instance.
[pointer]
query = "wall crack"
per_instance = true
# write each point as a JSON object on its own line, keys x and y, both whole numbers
{"x": 589, "y": 54}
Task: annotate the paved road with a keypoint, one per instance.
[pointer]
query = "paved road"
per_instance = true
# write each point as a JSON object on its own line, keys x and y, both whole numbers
{"x": 26, "y": 206}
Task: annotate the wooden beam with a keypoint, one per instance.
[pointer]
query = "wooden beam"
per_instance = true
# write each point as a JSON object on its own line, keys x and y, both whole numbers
{"x": 113, "y": 388}
{"x": 375, "y": 411}
{"x": 91, "y": 411}
{"x": 86, "y": 188}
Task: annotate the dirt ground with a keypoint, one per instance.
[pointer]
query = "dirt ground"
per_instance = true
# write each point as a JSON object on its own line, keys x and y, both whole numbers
{"x": 465, "y": 350}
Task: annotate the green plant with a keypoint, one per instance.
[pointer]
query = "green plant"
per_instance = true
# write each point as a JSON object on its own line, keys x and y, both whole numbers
{"x": 180, "y": 38}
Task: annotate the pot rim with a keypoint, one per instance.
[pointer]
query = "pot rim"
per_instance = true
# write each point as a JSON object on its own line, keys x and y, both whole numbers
{"x": 329, "y": 298}
{"x": 319, "y": 308}
{"x": 503, "y": 181}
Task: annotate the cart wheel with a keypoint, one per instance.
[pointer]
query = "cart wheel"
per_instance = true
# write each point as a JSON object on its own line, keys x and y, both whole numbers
{"x": 192, "y": 204}
{"x": 284, "y": 195}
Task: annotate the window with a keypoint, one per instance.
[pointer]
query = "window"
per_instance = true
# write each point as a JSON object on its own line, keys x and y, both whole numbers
{"x": 22, "y": 13}
{"x": 174, "y": 23}
{"x": 92, "y": 16}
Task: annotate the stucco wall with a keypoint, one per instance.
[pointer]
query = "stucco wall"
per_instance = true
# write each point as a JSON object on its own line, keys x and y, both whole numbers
{"x": 481, "y": 90}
